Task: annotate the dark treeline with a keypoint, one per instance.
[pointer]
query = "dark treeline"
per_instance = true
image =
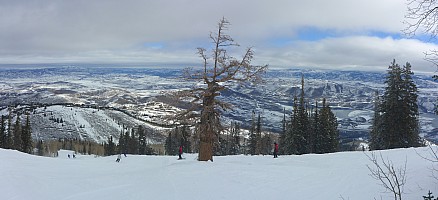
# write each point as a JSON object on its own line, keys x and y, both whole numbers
{"x": 130, "y": 142}
{"x": 231, "y": 141}
{"x": 259, "y": 142}
{"x": 179, "y": 136}
{"x": 309, "y": 129}
{"x": 16, "y": 135}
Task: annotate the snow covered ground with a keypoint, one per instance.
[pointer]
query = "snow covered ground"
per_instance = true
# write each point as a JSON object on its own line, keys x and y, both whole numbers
{"x": 330, "y": 176}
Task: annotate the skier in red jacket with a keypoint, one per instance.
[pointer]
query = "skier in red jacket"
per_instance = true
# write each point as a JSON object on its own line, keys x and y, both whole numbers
{"x": 180, "y": 152}
{"x": 275, "y": 150}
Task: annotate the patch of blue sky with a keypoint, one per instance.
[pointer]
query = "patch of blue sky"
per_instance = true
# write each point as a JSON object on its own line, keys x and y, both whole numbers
{"x": 315, "y": 34}
{"x": 308, "y": 34}
{"x": 312, "y": 34}
{"x": 381, "y": 34}
{"x": 425, "y": 38}
{"x": 153, "y": 45}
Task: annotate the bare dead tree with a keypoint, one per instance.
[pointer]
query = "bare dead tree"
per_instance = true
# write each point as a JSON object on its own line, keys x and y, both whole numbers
{"x": 218, "y": 69}
{"x": 422, "y": 16}
{"x": 391, "y": 178}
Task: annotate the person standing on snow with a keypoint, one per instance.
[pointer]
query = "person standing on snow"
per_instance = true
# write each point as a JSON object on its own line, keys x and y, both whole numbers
{"x": 118, "y": 158}
{"x": 275, "y": 150}
{"x": 180, "y": 152}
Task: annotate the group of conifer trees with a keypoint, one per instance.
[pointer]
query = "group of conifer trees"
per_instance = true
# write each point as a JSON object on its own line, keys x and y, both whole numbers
{"x": 259, "y": 142}
{"x": 179, "y": 136}
{"x": 309, "y": 130}
{"x": 229, "y": 142}
{"x": 16, "y": 136}
{"x": 130, "y": 142}
{"x": 395, "y": 123}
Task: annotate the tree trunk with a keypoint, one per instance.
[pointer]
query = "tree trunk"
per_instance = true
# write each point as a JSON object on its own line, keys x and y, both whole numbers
{"x": 207, "y": 128}
{"x": 206, "y": 137}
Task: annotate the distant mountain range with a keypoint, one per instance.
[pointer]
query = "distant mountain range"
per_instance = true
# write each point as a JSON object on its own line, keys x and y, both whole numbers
{"x": 142, "y": 94}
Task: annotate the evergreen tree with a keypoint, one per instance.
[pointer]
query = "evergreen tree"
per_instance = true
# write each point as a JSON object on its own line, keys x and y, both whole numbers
{"x": 40, "y": 147}
{"x": 252, "y": 143}
{"x": 259, "y": 142}
{"x": 330, "y": 129}
{"x": 133, "y": 145}
{"x": 110, "y": 147}
{"x": 90, "y": 149}
{"x": 221, "y": 147}
{"x": 310, "y": 132}
{"x": 235, "y": 137}
{"x": 301, "y": 131}
{"x": 168, "y": 145}
{"x": 121, "y": 144}
{"x": 185, "y": 136}
{"x": 266, "y": 144}
{"x": 9, "y": 140}
{"x": 228, "y": 141}
{"x": 410, "y": 97}
{"x": 180, "y": 136}
{"x": 376, "y": 142}
{"x": 2, "y": 133}
{"x": 124, "y": 142}
{"x": 282, "y": 138}
{"x": 84, "y": 148}
{"x": 26, "y": 137}
{"x": 17, "y": 135}
{"x": 291, "y": 136}
{"x": 142, "y": 140}
{"x": 318, "y": 131}
{"x": 396, "y": 123}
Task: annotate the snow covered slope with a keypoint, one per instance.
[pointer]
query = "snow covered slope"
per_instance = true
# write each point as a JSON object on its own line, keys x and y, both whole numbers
{"x": 329, "y": 176}
{"x": 52, "y": 122}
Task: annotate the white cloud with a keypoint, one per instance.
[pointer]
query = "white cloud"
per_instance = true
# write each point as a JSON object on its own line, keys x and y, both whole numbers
{"x": 123, "y": 31}
{"x": 355, "y": 52}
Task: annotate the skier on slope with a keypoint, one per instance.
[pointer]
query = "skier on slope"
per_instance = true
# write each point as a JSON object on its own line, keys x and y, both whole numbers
{"x": 180, "y": 152}
{"x": 118, "y": 158}
{"x": 275, "y": 150}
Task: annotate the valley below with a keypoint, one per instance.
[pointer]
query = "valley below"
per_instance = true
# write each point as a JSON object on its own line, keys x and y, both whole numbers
{"x": 96, "y": 102}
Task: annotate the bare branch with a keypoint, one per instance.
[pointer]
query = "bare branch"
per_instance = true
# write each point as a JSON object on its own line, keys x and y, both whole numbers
{"x": 390, "y": 178}
{"x": 422, "y": 16}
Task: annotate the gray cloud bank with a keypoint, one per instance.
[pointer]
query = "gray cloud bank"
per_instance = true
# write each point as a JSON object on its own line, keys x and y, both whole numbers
{"x": 169, "y": 31}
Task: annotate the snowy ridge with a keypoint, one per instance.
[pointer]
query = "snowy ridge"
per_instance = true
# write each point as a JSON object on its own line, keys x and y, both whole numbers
{"x": 328, "y": 176}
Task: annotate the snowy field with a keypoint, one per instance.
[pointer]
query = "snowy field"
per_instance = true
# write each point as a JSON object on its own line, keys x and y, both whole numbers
{"x": 331, "y": 176}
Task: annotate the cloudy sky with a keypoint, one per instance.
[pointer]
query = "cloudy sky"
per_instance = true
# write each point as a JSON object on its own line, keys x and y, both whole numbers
{"x": 336, "y": 34}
